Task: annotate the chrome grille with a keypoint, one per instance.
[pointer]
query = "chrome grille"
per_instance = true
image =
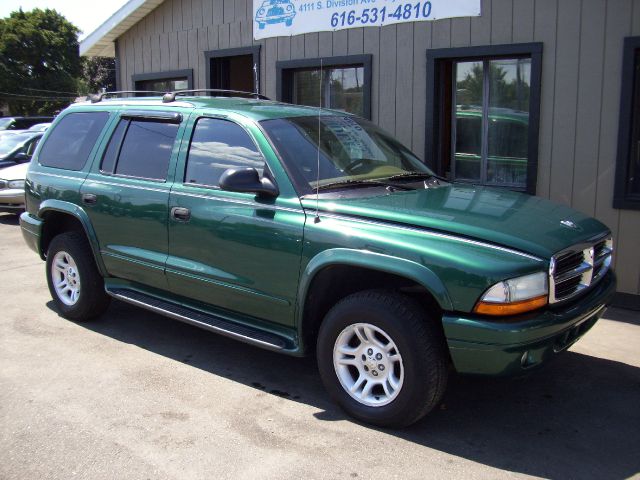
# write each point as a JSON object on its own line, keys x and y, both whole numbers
{"x": 3, "y": 184}
{"x": 578, "y": 268}
{"x": 568, "y": 262}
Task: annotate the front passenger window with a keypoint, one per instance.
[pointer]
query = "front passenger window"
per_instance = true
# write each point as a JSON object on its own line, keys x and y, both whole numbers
{"x": 217, "y": 145}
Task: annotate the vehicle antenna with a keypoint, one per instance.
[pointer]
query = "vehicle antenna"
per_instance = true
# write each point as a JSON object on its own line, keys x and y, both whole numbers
{"x": 255, "y": 76}
{"x": 317, "y": 217}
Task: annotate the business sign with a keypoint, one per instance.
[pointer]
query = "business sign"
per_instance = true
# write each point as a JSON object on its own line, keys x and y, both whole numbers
{"x": 277, "y": 18}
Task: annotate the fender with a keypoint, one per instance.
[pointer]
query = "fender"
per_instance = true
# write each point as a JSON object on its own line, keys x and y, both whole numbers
{"x": 80, "y": 215}
{"x": 374, "y": 261}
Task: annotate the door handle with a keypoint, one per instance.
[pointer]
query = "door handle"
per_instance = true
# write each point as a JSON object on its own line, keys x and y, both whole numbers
{"x": 180, "y": 213}
{"x": 89, "y": 198}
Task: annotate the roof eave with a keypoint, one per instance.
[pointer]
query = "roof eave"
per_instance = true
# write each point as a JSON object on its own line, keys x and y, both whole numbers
{"x": 100, "y": 42}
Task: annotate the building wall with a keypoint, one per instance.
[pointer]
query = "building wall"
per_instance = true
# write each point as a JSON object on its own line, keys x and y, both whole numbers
{"x": 581, "y": 79}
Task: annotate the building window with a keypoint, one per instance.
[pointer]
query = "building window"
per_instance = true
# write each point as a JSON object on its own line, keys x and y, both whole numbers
{"x": 483, "y": 113}
{"x": 627, "y": 186}
{"x": 344, "y": 84}
{"x": 163, "y": 81}
{"x": 234, "y": 69}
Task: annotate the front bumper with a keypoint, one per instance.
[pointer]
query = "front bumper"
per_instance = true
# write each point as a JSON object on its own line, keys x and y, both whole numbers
{"x": 31, "y": 227}
{"x": 506, "y": 347}
{"x": 11, "y": 200}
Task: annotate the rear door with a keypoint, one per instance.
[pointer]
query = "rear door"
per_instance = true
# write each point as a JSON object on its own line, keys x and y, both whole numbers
{"x": 126, "y": 195}
{"x": 232, "y": 250}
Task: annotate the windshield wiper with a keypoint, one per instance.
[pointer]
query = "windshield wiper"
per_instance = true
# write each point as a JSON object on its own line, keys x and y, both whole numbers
{"x": 403, "y": 176}
{"x": 360, "y": 183}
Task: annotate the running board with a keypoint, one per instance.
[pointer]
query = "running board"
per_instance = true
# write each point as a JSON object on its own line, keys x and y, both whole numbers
{"x": 206, "y": 321}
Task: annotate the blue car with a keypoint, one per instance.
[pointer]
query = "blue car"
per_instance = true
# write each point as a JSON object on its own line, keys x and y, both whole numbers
{"x": 275, "y": 11}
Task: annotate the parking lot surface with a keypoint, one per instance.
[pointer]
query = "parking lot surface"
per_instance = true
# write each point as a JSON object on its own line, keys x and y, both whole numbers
{"x": 137, "y": 395}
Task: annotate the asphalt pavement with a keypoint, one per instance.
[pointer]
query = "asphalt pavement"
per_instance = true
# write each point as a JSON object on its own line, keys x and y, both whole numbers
{"x": 134, "y": 395}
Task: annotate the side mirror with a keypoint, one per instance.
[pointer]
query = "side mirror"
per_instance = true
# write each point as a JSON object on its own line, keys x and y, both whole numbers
{"x": 247, "y": 180}
{"x": 21, "y": 157}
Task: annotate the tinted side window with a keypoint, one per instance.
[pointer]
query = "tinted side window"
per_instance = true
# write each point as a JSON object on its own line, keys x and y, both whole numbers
{"x": 146, "y": 149}
{"x": 70, "y": 143}
{"x": 111, "y": 153}
{"x": 216, "y": 146}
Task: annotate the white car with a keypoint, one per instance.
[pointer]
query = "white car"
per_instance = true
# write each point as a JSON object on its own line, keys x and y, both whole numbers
{"x": 18, "y": 147}
{"x": 12, "y": 188}
{"x": 39, "y": 127}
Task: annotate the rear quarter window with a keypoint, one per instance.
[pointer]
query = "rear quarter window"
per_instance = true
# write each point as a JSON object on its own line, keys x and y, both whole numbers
{"x": 69, "y": 144}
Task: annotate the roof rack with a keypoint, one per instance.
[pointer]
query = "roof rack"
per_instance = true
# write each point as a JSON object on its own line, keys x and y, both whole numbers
{"x": 171, "y": 96}
{"x": 95, "y": 98}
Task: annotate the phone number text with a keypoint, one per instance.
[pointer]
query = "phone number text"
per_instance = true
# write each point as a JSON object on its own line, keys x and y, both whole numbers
{"x": 374, "y": 15}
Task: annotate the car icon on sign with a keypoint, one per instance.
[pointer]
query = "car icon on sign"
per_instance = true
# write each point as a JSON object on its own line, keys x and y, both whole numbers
{"x": 275, "y": 11}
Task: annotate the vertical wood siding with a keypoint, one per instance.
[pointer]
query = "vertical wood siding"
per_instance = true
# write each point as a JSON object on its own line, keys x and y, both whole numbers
{"x": 581, "y": 78}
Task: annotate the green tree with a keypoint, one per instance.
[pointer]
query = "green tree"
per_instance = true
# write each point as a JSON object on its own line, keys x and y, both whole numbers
{"x": 469, "y": 90}
{"x": 512, "y": 94}
{"x": 99, "y": 73}
{"x": 39, "y": 62}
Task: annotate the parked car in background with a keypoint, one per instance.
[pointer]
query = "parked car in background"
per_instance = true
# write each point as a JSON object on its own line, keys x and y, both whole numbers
{"x": 18, "y": 147}
{"x": 21, "y": 123}
{"x": 39, "y": 127}
{"x": 12, "y": 188}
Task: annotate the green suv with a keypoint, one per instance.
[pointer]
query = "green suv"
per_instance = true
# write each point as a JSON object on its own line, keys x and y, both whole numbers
{"x": 309, "y": 231}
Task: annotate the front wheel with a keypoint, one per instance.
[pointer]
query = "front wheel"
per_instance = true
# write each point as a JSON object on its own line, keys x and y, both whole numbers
{"x": 75, "y": 284}
{"x": 382, "y": 358}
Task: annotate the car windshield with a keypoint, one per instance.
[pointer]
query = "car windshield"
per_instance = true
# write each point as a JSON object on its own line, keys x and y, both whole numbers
{"x": 5, "y": 122}
{"x": 8, "y": 143}
{"x": 351, "y": 150}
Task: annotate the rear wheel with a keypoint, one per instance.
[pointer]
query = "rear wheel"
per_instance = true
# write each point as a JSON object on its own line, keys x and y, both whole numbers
{"x": 75, "y": 284}
{"x": 382, "y": 358}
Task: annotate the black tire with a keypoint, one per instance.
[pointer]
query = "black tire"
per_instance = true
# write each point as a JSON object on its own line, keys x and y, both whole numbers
{"x": 419, "y": 341}
{"x": 92, "y": 299}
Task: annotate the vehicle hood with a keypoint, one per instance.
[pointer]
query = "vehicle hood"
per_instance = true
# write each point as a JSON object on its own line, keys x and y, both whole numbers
{"x": 17, "y": 172}
{"x": 515, "y": 220}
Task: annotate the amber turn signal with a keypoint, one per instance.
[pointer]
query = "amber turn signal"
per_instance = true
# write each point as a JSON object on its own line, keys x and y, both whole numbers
{"x": 514, "y": 308}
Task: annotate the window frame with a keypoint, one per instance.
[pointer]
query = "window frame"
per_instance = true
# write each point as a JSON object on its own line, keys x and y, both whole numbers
{"x": 231, "y": 52}
{"x": 434, "y": 106}
{"x": 286, "y": 68}
{"x": 621, "y": 198}
{"x": 32, "y": 145}
{"x": 151, "y": 116}
{"x": 266, "y": 172}
{"x": 168, "y": 75}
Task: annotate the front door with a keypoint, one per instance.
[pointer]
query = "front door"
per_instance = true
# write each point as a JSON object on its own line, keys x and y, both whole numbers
{"x": 232, "y": 250}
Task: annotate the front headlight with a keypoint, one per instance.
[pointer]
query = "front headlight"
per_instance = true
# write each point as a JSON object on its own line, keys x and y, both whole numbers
{"x": 514, "y": 296}
{"x": 16, "y": 184}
